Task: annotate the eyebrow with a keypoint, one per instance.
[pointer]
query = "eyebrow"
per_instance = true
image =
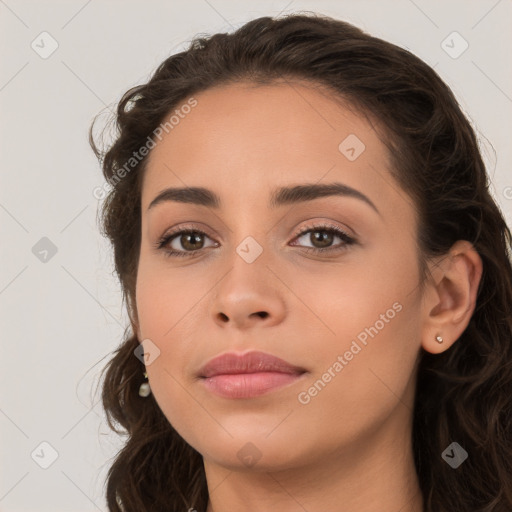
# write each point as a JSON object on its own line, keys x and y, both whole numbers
{"x": 282, "y": 196}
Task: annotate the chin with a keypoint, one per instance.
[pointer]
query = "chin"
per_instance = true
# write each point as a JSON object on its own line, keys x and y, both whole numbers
{"x": 248, "y": 453}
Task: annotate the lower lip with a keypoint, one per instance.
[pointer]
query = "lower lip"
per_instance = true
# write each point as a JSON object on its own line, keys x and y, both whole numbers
{"x": 248, "y": 385}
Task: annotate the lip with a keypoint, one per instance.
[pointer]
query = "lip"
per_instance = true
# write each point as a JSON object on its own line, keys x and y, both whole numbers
{"x": 248, "y": 375}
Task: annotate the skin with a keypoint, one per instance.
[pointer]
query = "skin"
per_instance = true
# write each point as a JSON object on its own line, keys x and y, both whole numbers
{"x": 349, "y": 448}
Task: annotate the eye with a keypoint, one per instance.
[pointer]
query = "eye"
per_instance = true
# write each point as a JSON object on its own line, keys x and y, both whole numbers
{"x": 190, "y": 241}
{"x": 322, "y": 236}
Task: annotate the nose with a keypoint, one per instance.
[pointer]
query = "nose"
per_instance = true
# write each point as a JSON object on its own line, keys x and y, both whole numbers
{"x": 247, "y": 297}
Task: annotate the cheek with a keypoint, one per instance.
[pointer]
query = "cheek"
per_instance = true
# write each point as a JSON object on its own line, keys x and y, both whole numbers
{"x": 167, "y": 306}
{"x": 167, "y": 299}
{"x": 169, "y": 312}
{"x": 358, "y": 300}
{"x": 370, "y": 316}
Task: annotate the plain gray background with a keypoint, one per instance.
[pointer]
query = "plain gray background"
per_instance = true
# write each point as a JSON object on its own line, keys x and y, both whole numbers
{"x": 60, "y": 318}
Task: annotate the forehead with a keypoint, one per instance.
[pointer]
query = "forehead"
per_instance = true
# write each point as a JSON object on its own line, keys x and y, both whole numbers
{"x": 250, "y": 137}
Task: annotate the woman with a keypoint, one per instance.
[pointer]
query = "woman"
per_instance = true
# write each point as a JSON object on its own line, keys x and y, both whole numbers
{"x": 317, "y": 279}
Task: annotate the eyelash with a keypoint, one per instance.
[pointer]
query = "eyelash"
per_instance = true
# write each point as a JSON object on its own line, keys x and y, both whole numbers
{"x": 327, "y": 228}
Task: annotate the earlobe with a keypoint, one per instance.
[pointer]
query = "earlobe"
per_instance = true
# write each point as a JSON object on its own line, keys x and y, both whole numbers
{"x": 450, "y": 297}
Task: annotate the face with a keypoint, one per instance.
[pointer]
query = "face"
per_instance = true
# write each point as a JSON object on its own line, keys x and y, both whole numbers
{"x": 327, "y": 283}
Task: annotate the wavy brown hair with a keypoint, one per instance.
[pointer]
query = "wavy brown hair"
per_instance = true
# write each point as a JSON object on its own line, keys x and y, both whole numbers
{"x": 463, "y": 394}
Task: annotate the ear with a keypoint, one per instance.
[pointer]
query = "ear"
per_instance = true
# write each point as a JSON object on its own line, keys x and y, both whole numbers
{"x": 450, "y": 296}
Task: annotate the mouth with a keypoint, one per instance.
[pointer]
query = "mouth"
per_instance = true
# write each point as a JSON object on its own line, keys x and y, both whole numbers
{"x": 245, "y": 376}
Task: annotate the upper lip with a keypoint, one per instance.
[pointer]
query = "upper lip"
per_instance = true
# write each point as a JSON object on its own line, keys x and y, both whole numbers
{"x": 251, "y": 362}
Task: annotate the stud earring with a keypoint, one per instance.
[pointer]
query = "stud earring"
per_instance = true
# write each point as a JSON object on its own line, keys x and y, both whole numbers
{"x": 439, "y": 339}
{"x": 144, "y": 389}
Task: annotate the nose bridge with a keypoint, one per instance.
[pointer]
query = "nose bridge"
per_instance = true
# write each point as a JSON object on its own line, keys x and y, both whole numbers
{"x": 248, "y": 235}
{"x": 249, "y": 259}
{"x": 253, "y": 249}
{"x": 249, "y": 231}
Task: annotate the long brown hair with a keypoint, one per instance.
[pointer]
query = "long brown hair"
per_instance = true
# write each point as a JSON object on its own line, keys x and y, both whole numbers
{"x": 463, "y": 394}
